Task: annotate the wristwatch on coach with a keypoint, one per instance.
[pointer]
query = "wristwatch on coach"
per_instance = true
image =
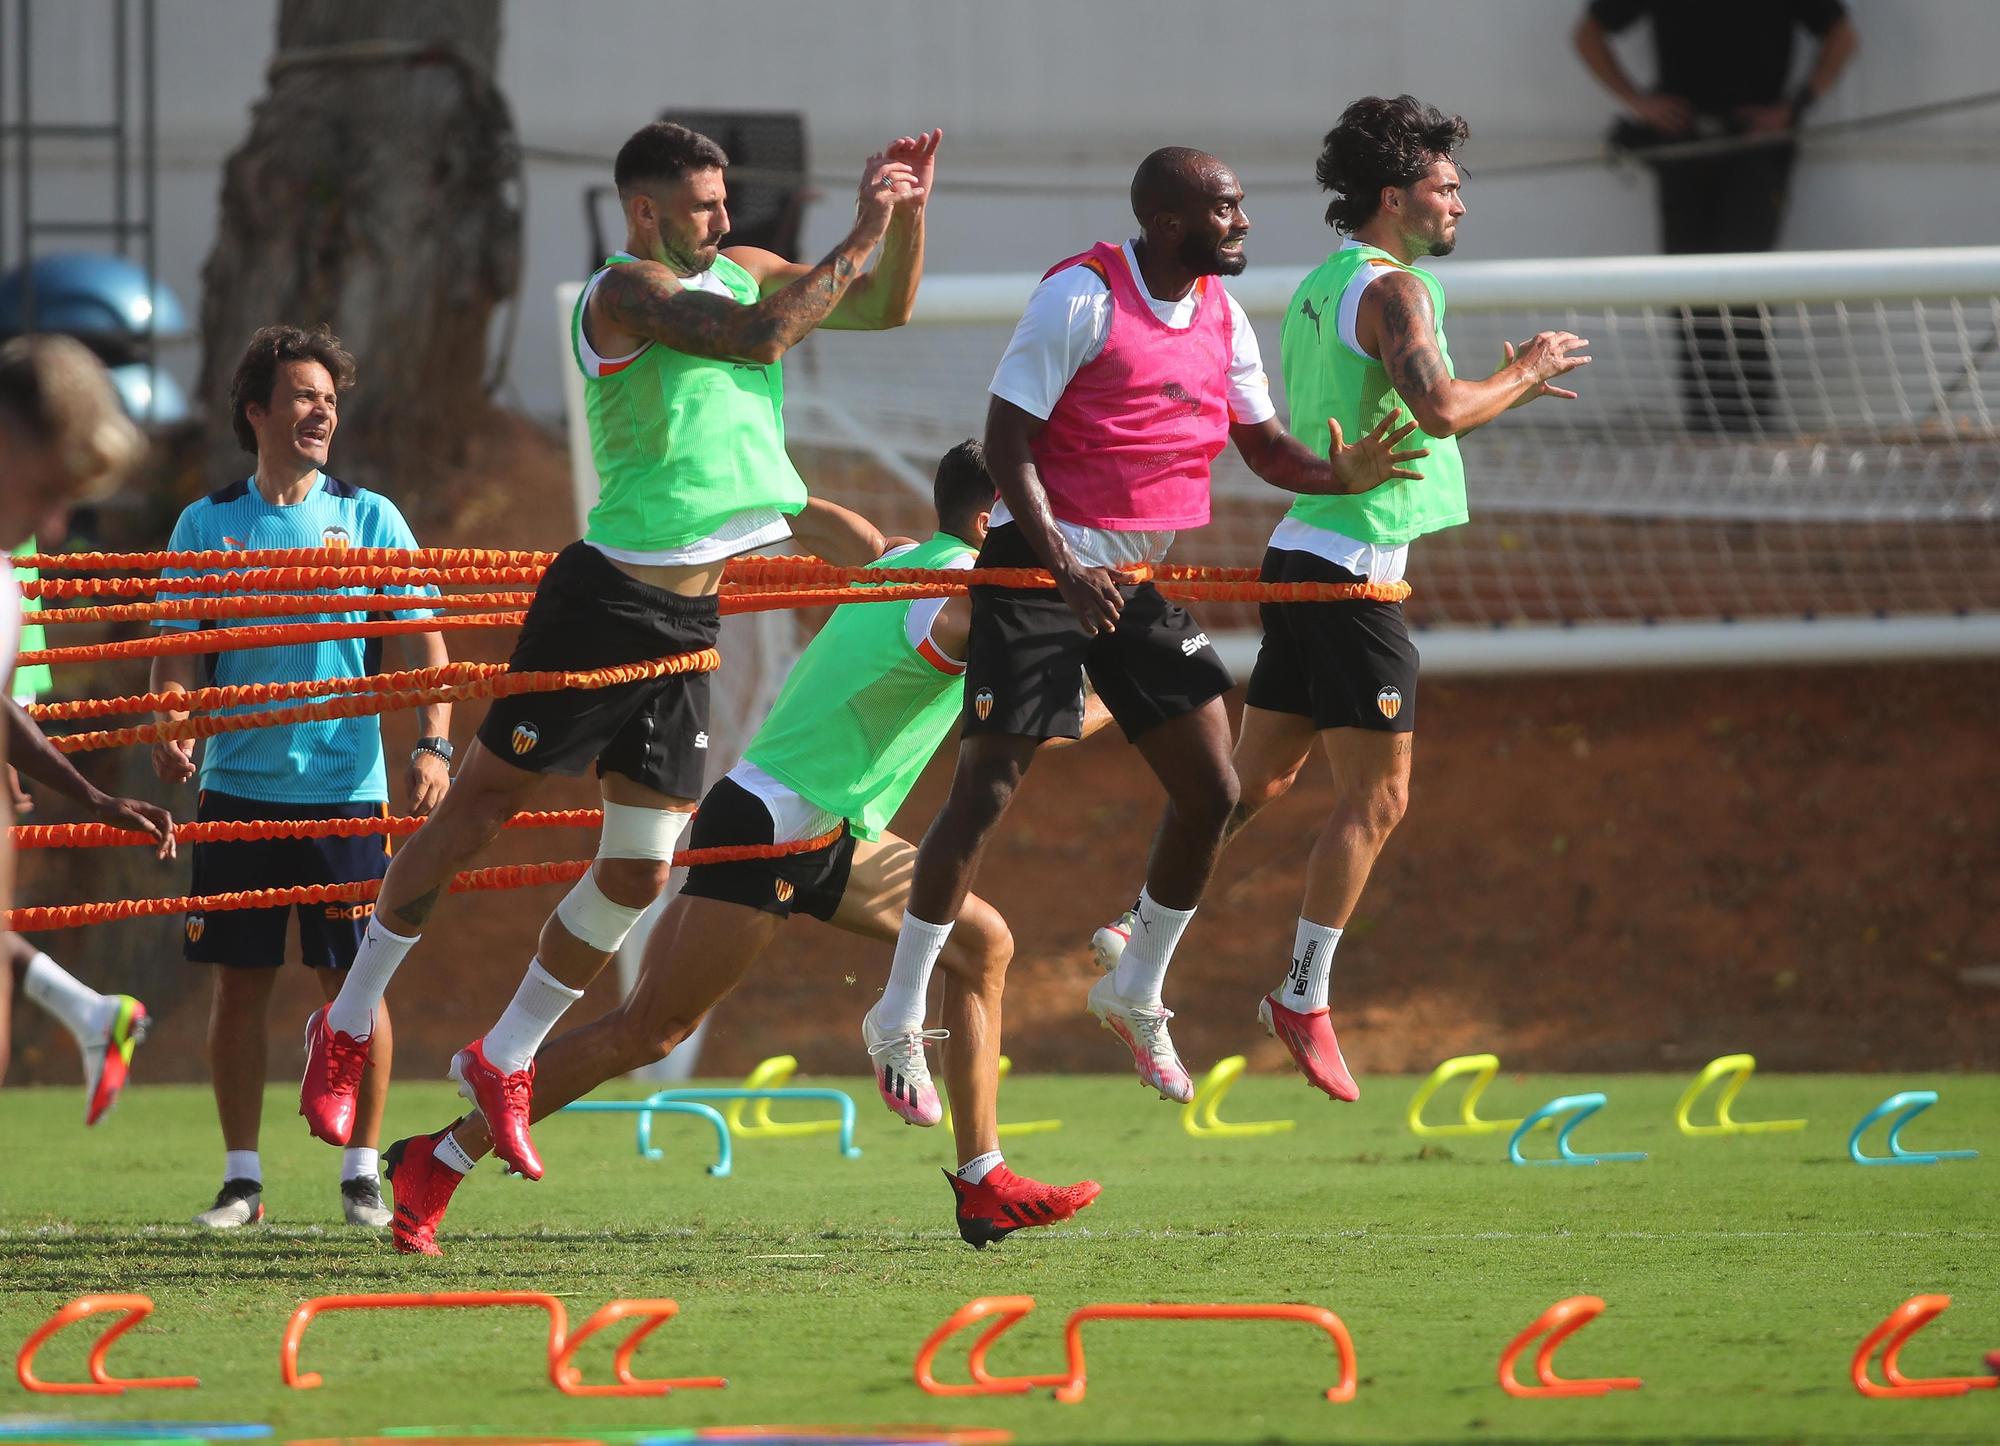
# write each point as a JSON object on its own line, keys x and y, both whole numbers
{"x": 440, "y": 746}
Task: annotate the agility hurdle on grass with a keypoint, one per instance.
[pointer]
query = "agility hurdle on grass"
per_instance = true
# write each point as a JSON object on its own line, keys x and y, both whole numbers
{"x": 1200, "y": 1116}
{"x": 646, "y": 1109}
{"x": 1482, "y": 1067}
{"x": 671, "y": 1099}
{"x": 1577, "y": 1108}
{"x": 1739, "y": 1067}
{"x": 101, "y": 1383}
{"x": 1911, "y": 1103}
{"x": 562, "y": 1342}
{"x": 1019, "y": 1127}
{"x": 1556, "y": 1325}
{"x": 1890, "y": 1336}
{"x": 774, "y": 1073}
{"x": 1005, "y": 1311}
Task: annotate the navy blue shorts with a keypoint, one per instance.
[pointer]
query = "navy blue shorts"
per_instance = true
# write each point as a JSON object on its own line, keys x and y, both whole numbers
{"x": 255, "y": 938}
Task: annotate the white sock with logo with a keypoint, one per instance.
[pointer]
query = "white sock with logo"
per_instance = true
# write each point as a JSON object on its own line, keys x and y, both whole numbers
{"x": 83, "y": 1011}
{"x": 918, "y": 945}
{"x": 357, "y": 1161}
{"x": 449, "y": 1153}
{"x": 538, "y": 1004}
{"x": 1310, "y": 978}
{"x": 242, "y": 1165}
{"x": 979, "y": 1167}
{"x": 382, "y": 949}
{"x": 1156, "y": 929}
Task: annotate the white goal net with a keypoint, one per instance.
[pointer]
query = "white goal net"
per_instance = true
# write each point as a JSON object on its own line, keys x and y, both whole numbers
{"x": 1791, "y": 456}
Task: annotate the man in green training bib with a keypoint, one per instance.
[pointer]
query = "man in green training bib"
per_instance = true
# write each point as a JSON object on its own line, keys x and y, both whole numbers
{"x": 681, "y": 345}
{"x": 865, "y": 707}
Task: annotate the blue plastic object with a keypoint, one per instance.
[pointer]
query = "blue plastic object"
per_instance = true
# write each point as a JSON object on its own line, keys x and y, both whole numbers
{"x": 646, "y": 1109}
{"x": 845, "y": 1138}
{"x": 26, "y": 1430}
{"x": 1912, "y": 1103}
{"x": 1579, "y": 1108}
{"x": 85, "y": 294}
{"x": 150, "y": 394}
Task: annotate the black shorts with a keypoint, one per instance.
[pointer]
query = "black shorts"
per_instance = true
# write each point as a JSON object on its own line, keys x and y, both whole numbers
{"x": 587, "y": 614}
{"x": 808, "y": 883}
{"x": 1027, "y": 655}
{"x": 1341, "y": 664}
{"x": 255, "y": 938}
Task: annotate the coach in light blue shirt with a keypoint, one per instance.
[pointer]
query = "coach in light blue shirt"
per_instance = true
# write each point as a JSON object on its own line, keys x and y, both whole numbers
{"x": 285, "y": 405}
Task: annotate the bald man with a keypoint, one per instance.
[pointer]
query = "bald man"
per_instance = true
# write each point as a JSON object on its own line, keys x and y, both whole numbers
{"x": 1129, "y": 371}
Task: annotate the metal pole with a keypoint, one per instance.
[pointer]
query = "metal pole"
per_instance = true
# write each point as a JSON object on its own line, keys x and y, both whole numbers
{"x": 24, "y": 70}
{"x": 150, "y": 154}
{"x": 120, "y": 119}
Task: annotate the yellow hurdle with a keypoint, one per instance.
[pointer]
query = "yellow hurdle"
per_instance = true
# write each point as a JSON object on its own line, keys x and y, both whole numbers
{"x": 1199, "y": 1116}
{"x": 773, "y": 1074}
{"x": 1482, "y": 1067}
{"x": 1019, "y": 1127}
{"x": 1740, "y": 1067}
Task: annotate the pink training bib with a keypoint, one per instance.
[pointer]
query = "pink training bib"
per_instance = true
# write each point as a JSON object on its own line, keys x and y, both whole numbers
{"x": 1129, "y": 444}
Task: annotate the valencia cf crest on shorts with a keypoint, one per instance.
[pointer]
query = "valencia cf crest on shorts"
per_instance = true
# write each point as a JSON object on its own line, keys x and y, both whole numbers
{"x": 195, "y": 926}
{"x": 334, "y": 537}
{"x": 982, "y": 704}
{"x": 525, "y": 737}
{"x": 1390, "y": 701}
{"x": 785, "y": 891}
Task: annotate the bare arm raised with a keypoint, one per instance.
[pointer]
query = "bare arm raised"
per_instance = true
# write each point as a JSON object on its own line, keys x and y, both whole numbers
{"x": 1397, "y": 325}
{"x": 645, "y": 299}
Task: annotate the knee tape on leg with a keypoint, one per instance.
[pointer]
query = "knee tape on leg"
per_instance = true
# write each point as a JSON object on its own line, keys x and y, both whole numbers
{"x": 596, "y": 920}
{"x": 631, "y": 832}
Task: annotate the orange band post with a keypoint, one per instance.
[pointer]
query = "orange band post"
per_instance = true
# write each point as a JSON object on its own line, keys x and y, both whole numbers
{"x": 102, "y": 1383}
{"x": 1896, "y": 1329}
{"x": 1006, "y": 1311}
{"x": 1560, "y": 1321}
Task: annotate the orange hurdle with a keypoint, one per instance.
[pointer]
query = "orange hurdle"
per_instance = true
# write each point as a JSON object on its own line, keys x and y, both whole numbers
{"x": 1561, "y": 1320}
{"x": 1896, "y": 1328}
{"x": 562, "y": 1345}
{"x": 102, "y": 1382}
{"x": 1069, "y": 1384}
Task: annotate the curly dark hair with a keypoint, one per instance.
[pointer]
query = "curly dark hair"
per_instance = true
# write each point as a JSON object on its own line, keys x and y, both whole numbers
{"x": 1381, "y": 143}
{"x": 664, "y": 151}
{"x": 270, "y": 349}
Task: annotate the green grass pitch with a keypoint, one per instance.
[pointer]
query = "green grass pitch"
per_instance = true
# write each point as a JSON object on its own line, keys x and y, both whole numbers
{"x": 1740, "y": 1273}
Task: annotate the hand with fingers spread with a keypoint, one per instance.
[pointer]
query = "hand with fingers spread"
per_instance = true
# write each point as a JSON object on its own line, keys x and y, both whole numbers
{"x": 1541, "y": 359}
{"x": 1092, "y": 594}
{"x": 1374, "y": 460}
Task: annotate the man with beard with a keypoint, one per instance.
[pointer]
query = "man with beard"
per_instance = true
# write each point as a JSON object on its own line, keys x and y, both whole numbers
{"x": 1128, "y": 372}
{"x": 1362, "y": 338}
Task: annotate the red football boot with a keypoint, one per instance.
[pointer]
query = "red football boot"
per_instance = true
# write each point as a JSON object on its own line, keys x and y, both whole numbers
{"x": 334, "y": 1062}
{"x": 504, "y": 1100}
{"x": 1314, "y": 1049}
{"x": 421, "y": 1188}
{"x": 1005, "y": 1202}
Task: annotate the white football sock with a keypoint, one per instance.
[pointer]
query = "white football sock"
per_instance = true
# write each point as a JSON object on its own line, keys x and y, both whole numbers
{"x": 382, "y": 949}
{"x": 83, "y": 1011}
{"x": 242, "y": 1165}
{"x": 449, "y": 1153}
{"x": 918, "y": 945}
{"x": 1308, "y": 981}
{"x": 1156, "y": 929}
{"x": 538, "y": 1004}
{"x": 979, "y": 1167}
{"x": 356, "y": 1161}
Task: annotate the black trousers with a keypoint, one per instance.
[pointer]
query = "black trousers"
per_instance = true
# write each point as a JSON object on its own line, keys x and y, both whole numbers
{"x": 1726, "y": 203}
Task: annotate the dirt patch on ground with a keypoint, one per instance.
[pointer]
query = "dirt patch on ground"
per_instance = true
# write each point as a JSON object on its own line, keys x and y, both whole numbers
{"x": 1605, "y": 872}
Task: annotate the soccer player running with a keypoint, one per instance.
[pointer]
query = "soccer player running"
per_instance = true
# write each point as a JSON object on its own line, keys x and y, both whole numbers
{"x": 680, "y": 344}
{"x": 64, "y": 439}
{"x": 1363, "y": 337}
{"x": 284, "y": 401}
{"x": 1127, "y": 374}
{"x": 865, "y": 707}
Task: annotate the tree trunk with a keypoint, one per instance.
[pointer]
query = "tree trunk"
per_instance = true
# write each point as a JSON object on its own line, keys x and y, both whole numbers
{"x": 376, "y": 193}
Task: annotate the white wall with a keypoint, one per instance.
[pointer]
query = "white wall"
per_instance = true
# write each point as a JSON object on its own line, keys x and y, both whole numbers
{"x": 1070, "y": 92}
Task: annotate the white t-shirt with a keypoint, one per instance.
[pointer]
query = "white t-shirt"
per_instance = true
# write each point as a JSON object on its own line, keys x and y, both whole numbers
{"x": 1366, "y": 560}
{"x": 760, "y": 527}
{"x": 1064, "y": 327}
{"x": 10, "y": 627}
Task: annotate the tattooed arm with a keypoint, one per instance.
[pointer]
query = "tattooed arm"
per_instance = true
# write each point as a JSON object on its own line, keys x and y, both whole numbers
{"x": 645, "y": 299}
{"x": 1397, "y": 325}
